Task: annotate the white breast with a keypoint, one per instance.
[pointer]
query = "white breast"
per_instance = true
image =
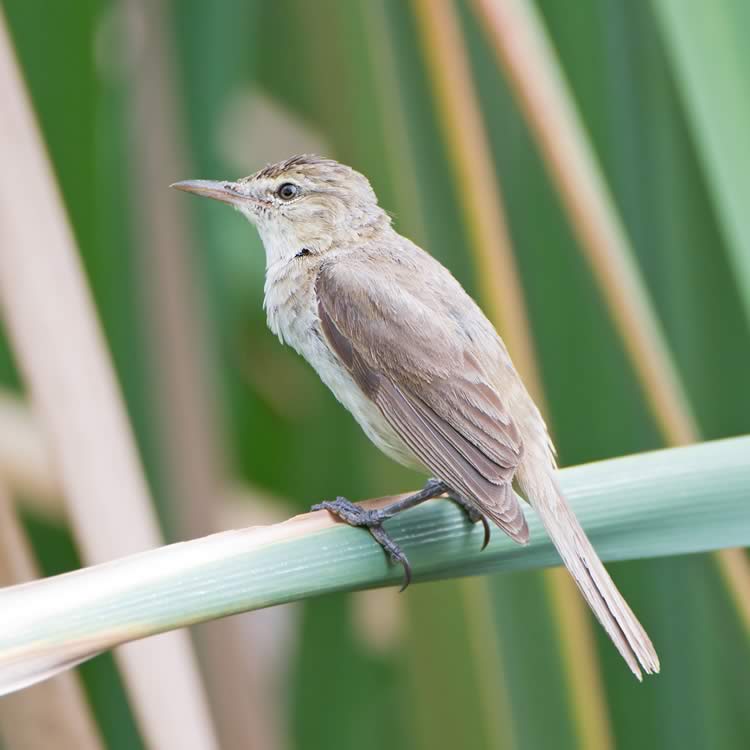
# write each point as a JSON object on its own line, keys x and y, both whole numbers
{"x": 291, "y": 309}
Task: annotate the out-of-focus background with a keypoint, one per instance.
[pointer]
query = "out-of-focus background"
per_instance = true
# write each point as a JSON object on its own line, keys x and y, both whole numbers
{"x": 423, "y": 97}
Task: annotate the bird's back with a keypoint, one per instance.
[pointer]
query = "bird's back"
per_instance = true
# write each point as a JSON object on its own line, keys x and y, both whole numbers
{"x": 433, "y": 317}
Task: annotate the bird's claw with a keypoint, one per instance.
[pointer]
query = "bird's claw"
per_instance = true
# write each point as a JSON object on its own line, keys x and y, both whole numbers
{"x": 372, "y": 520}
{"x": 474, "y": 516}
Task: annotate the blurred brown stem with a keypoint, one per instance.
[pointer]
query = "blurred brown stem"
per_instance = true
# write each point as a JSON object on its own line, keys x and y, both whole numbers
{"x": 477, "y": 185}
{"x": 60, "y": 350}
{"x": 527, "y": 58}
{"x": 53, "y": 713}
{"x": 501, "y": 289}
{"x": 187, "y": 420}
{"x": 517, "y": 35}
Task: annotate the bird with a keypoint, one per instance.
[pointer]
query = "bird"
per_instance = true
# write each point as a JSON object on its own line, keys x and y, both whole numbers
{"x": 412, "y": 356}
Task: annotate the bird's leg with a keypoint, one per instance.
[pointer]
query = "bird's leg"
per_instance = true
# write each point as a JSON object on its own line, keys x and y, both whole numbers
{"x": 474, "y": 515}
{"x": 372, "y": 519}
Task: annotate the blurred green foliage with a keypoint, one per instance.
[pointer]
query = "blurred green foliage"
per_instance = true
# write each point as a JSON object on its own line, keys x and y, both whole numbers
{"x": 353, "y": 72}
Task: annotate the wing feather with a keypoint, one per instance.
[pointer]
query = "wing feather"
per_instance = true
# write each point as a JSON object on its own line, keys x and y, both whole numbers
{"x": 447, "y": 412}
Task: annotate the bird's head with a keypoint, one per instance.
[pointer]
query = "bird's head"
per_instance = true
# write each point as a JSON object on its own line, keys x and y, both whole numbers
{"x": 302, "y": 202}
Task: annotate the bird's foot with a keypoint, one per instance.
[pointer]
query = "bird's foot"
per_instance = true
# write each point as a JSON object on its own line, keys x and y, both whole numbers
{"x": 474, "y": 516}
{"x": 372, "y": 520}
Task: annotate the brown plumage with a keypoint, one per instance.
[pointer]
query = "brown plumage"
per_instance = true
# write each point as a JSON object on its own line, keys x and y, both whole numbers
{"x": 445, "y": 410}
{"x": 409, "y": 353}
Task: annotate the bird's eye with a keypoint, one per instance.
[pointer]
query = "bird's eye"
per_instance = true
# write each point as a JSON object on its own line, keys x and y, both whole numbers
{"x": 287, "y": 191}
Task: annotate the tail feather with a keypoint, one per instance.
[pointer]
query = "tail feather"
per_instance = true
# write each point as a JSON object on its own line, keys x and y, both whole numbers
{"x": 592, "y": 579}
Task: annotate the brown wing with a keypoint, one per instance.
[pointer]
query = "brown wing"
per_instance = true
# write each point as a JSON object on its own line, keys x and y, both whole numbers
{"x": 412, "y": 359}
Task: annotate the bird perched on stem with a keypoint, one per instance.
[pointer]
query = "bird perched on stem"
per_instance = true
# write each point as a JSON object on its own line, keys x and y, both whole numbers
{"x": 406, "y": 350}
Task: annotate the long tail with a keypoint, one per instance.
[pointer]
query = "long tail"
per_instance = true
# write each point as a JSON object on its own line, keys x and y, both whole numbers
{"x": 589, "y": 573}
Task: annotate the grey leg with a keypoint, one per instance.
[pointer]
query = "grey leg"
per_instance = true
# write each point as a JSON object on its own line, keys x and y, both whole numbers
{"x": 474, "y": 516}
{"x": 372, "y": 520}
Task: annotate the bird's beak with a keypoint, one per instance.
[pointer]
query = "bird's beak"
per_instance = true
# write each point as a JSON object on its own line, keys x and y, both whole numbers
{"x": 220, "y": 191}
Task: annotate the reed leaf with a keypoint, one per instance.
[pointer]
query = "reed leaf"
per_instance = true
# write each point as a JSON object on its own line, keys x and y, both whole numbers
{"x": 711, "y": 63}
{"x": 669, "y": 502}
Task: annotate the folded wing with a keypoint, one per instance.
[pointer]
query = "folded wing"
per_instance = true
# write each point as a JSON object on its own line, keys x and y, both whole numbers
{"x": 409, "y": 355}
